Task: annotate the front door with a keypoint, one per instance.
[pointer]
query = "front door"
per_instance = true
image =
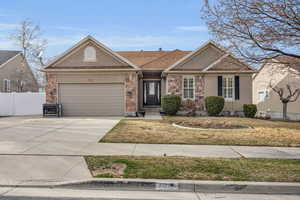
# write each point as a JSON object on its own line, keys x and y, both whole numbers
{"x": 152, "y": 92}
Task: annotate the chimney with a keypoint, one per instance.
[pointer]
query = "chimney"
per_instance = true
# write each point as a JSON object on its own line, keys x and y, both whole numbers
{"x": 160, "y": 49}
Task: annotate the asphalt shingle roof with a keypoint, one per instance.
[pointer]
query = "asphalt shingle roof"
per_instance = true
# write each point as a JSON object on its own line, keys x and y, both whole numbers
{"x": 141, "y": 57}
{"x": 153, "y": 59}
{"x": 5, "y": 55}
{"x": 292, "y": 62}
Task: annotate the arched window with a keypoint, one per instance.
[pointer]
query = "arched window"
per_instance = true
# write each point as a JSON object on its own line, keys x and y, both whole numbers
{"x": 90, "y": 54}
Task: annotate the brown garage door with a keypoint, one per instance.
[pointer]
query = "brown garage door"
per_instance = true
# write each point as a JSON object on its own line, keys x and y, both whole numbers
{"x": 92, "y": 99}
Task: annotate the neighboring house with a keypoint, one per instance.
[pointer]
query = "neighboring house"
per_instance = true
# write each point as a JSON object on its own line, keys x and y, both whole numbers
{"x": 15, "y": 73}
{"x": 268, "y": 102}
{"x": 91, "y": 79}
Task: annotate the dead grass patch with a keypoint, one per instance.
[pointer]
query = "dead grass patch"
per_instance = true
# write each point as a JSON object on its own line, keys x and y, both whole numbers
{"x": 264, "y": 133}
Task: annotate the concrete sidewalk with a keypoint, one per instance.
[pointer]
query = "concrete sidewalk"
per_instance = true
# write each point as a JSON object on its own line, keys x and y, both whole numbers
{"x": 93, "y": 148}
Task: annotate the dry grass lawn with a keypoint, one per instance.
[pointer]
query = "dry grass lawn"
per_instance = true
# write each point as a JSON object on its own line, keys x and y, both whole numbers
{"x": 224, "y": 169}
{"x": 264, "y": 132}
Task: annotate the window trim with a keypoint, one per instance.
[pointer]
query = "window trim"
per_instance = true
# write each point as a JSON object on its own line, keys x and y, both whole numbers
{"x": 194, "y": 89}
{"x": 85, "y": 59}
{"x": 266, "y": 94}
{"x": 8, "y": 85}
{"x": 225, "y": 77}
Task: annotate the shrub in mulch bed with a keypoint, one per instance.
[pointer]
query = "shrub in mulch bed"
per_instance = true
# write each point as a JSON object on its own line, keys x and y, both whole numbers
{"x": 214, "y": 105}
{"x": 249, "y": 110}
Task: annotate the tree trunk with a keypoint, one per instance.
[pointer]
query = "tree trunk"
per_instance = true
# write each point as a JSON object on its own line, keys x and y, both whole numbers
{"x": 284, "y": 113}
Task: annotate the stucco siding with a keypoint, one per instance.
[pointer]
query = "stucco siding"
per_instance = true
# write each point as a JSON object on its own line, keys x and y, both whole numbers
{"x": 16, "y": 70}
{"x": 272, "y": 104}
{"x": 211, "y": 89}
{"x": 229, "y": 63}
{"x": 201, "y": 60}
{"x": 76, "y": 59}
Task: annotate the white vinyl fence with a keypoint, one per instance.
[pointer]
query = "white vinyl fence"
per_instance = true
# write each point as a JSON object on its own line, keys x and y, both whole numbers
{"x": 12, "y": 104}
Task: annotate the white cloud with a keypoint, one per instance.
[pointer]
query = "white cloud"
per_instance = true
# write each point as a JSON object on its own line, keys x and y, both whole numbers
{"x": 192, "y": 28}
{"x": 5, "y": 27}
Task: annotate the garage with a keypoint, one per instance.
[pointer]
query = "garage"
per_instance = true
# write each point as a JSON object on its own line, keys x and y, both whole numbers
{"x": 97, "y": 99}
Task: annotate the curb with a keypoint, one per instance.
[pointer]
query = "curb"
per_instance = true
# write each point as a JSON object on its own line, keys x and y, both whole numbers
{"x": 173, "y": 186}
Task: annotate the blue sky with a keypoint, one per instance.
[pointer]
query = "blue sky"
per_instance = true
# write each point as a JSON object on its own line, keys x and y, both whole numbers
{"x": 119, "y": 24}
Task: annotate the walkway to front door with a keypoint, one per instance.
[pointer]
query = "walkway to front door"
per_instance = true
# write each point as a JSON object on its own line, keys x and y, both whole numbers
{"x": 152, "y": 91}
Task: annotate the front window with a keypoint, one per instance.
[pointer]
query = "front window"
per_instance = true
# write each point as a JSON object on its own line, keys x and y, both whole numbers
{"x": 6, "y": 85}
{"x": 263, "y": 95}
{"x": 228, "y": 87}
{"x": 188, "y": 87}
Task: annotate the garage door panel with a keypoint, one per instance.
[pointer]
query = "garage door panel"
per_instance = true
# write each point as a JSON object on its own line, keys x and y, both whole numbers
{"x": 92, "y": 99}
{"x": 89, "y": 87}
{"x": 77, "y": 111}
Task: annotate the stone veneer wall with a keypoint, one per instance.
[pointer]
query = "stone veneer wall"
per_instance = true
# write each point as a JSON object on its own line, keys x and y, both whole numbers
{"x": 131, "y": 92}
{"x": 51, "y": 90}
{"x": 174, "y": 84}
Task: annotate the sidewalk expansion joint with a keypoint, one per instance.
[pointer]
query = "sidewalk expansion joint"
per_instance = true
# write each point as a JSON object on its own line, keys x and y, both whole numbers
{"x": 240, "y": 154}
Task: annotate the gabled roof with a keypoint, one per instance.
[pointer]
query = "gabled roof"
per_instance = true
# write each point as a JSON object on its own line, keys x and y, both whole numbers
{"x": 6, "y": 55}
{"x": 100, "y": 45}
{"x": 292, "y": 62}
{"x": 153, "y": 60}
{"x": 141, "y": 57}
{"x": 214, "y": 65}
{"x": 165, "y": 60}
{"x": 222, "y": 64}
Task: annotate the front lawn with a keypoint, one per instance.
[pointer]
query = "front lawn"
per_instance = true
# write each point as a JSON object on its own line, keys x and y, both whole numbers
{"x": 264, "y": 133}
{"x": 223, "y": 169}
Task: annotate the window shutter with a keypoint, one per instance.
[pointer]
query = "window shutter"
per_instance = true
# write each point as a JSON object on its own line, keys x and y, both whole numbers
{"x": 237, "y": 87}
{"x": 220, "y": 82}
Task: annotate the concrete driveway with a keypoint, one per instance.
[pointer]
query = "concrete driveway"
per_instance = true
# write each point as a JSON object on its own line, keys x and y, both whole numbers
{"x": 43, "y": 149}
{"x": 54, "y": 136}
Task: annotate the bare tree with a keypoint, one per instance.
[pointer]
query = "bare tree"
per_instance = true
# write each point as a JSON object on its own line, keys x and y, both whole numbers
{"x": 259, "y": 31}
{"x": 255, "y": 30}
{"x": 28, "y": 37}
{"x": 292, "y": 96}
{"x": 288, "y": 92}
